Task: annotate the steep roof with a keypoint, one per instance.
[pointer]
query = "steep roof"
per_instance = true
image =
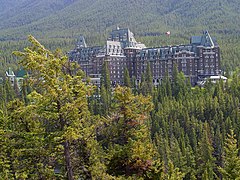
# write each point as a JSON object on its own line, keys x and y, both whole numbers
{"x": 81, "y": 42}
{"x": 21, "y": 73}
{"x": 204, "y": 40}
{"x": 10, "y": 72}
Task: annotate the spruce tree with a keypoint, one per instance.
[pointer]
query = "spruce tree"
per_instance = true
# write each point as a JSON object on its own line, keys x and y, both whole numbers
{"x": 149, "y": 79}
{"x": 173, "y": 173}
{"x": 60, "y": 99}
{"x": 126, "y": 78}
{"x": 231, "y": 159}
{"x": 105, "y": 77}
{"x": 105, "y": 92}
{"x": 132, "y": 153}
{"x": 205, "y": 159}
{"x": 167, "y": 84}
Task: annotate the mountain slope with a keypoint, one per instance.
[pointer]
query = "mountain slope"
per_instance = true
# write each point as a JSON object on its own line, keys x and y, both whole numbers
{"x": 19, "y": 13}
{"x": 57, "y": 23}
{"x": 67, "y": 18}
{"x": 9, "y": 4}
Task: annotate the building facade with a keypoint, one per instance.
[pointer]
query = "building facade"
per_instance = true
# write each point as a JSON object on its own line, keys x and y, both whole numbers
{"x": 197, "y": 60}
{"x": 14, "y": 80}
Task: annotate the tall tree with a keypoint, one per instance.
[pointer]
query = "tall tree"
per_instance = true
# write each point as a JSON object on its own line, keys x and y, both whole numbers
{"x": 231, "y": 159}
{"x": 60, "y": 98}
{"x": 149, "y": 79}
{"x": 173, "y": 173}
{"x": 131, "y": 150}
{"x": 24, "y": 149}
{"x": 126, "y": 78}
{"x": 105, "y": 79}
{"x": 205, "y": 160}
{"x": 105, "y": 92}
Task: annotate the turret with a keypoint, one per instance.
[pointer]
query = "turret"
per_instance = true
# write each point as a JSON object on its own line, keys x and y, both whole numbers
{"x": 81, "y": 42}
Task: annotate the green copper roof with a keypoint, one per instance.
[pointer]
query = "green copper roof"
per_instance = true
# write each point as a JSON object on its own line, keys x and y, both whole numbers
{"x": 21, "y": 73}
{"x": 196, "y": 39}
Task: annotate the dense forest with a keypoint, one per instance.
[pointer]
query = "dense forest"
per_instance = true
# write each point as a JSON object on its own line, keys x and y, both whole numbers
{"x": 55, "y": 126}
{"x": 58, "y": 127}
{"x": 58, "y": 23}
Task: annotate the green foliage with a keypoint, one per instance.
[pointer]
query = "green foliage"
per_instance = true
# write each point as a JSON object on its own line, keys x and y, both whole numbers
{"x": 205, "y": 162}
{"x": 189, "y": 130}
{"x": 59, "y": 22}
{"x": 131, "y": 150}
{"x": 105, "y": 92}
{"x": 149, "y": 80}
{"x": 173, "y": 173}
{"x": 60, "y": 99}
{"x": 63, "y": 128}
{"x": 126, "y": 78}
{"x": 231, "y": 160}
{"x": 100, "y": 15}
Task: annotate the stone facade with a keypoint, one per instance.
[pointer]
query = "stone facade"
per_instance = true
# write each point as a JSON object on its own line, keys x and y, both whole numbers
{"x": 197, "y": 60}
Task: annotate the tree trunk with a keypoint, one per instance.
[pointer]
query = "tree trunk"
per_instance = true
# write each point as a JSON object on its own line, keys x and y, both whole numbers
{"x": 68, "y": 160}
{"x": 66, "y": 147}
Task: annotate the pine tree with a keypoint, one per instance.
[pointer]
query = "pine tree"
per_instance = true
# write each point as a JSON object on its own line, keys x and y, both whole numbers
{"x": 105, "y": 79}
{"x": 3, "y": 97}
{"x": 231, "y": 159}
{"x": 105, "y": 92}
{"x": 149, "y": 80}
{"x": 10, "y": 94}
{"x": 143, "y": 85}
{"x": 128, "y": 138}
{"x": 167, "y": 84}
{"x": 4, "y": 147}
{"x": 179, "y": 86}
{"x": 126, "y": 78}
{"x": 26, "y": 154}
{"x": 104, "y": 101}
{"x": 175, "y": 87}
{"x": 16, "y": 88}
{"x": 205, "y": 159}
{"x": 173, "y": 173}
{"x": 60, "y": 97}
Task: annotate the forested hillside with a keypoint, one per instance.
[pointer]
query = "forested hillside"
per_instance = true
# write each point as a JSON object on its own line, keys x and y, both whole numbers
{"x": 57, "y": 23}
{"x": 59, "y": 127}
{"x": 70, "y": 17}
{"x": 20, "y": 13}
{"x": 63, "y": 128}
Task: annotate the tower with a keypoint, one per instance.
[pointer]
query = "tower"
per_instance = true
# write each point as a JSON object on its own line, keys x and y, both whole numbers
{"x": 81, "y": 42}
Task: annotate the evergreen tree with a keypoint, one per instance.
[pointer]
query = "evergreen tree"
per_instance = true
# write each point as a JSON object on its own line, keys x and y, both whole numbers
{"x": 131, "y": 150}
{"x": 10, "y": 94}
{"x": 143, "y": 85}
{"x": 173, "y": 173}
{"x": 149, "y": 80}
{"x": 231, "y": 159}
{"x": 105, "y": 92}
{"x": 60, "y": 98}
{"x": 105, "y": 105}
{"x": 105, "y": 79}
{"x": 126, "y": 78}
{"x": 167, "y": 84}
{"x": 205, "y": 161}
{"x": 24, "y": 149}
{"x": 179, "y": 86}
{"x": 16, "y": 88}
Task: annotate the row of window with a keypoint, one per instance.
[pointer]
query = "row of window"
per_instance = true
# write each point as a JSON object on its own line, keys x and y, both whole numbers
{"x": 114, "y": 47}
